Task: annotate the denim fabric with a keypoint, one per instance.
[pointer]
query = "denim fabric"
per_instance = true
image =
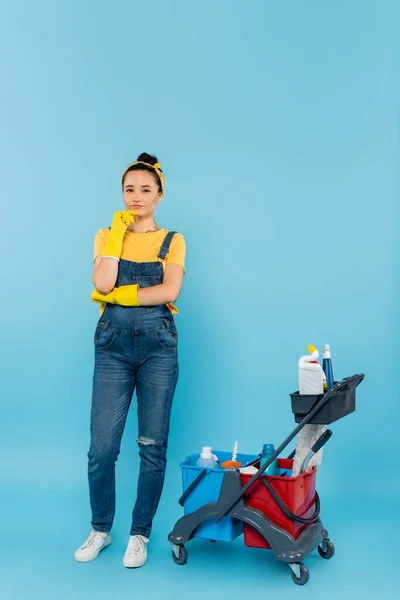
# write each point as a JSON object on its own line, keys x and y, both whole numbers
{"x": 135, "y": 348}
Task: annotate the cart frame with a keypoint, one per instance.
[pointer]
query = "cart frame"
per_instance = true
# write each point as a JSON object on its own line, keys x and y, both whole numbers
{"x": 231, "y": 502}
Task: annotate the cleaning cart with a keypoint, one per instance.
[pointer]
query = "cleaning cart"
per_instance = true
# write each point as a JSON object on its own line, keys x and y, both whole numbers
{"x": 276, "y": 512}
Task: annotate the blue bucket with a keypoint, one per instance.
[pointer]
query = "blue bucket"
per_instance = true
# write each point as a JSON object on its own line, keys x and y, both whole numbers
{"x": 207, "y": 490}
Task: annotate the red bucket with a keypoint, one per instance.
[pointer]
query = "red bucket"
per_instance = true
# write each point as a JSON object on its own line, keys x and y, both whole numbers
{"x": 297, "y": 493}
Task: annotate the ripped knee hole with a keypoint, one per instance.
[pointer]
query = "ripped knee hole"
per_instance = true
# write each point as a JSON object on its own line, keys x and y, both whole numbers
{"x": 145, "y": 441}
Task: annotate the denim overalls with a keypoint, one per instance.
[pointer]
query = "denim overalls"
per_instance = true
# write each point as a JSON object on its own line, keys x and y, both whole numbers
{"x": 135, "y": 347}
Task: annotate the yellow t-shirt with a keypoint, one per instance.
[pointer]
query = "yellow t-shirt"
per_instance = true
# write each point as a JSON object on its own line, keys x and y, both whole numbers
{"x": 144, "y": 247}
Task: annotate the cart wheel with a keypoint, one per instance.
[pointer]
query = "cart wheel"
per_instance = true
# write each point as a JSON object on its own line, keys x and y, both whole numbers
{"x": 329, "y": 551}
{"x": 182, "y": 558}
{"x": 213, "y": 541}
{"x": 304, "y": 575}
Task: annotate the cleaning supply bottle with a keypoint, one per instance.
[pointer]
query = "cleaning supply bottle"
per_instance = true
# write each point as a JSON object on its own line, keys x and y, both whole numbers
{"x": 311, "y": 375}
{"x": 327, "y": 366}
{"x": 232, "y": 465}
{"x": 267, "y": 451}
{"x": 207, "y": 458}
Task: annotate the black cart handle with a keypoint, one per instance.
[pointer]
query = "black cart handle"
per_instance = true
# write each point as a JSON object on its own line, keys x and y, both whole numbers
{"x": 347, "y": 382}
{"x": 191, "y": 486}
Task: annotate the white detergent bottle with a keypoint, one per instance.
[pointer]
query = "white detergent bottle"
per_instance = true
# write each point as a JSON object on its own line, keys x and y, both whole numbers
{"x": 311, "y": 374}
{"x": 207, "y": 458}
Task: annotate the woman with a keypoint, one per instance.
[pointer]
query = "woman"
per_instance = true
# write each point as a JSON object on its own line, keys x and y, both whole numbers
{"x": 138, "y": 273}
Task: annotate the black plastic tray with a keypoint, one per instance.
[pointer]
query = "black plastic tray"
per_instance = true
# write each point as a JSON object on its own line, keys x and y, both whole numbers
{"x": 338, "y": 406}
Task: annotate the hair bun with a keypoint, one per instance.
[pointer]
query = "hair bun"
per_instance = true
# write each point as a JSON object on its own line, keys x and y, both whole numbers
{"x": 152, "y": 160}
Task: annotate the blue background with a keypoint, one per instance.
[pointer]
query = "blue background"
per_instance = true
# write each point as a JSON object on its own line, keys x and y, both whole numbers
{"x": 277, "y": 128}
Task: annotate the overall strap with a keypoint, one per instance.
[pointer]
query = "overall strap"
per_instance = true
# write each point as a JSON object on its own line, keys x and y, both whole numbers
{"x": 166, "y": 244}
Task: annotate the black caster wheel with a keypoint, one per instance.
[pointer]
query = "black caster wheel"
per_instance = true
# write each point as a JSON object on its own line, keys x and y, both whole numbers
{"x": 304, "y": 575}
{"x": 214, "y": 541}
{"x": 329, "y": 550}
{"x": 182, "y": 558}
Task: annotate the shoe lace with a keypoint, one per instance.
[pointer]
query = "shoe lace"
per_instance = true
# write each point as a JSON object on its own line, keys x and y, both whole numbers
{"x": 135, "y": 545}
{"x": 93, "y": 539}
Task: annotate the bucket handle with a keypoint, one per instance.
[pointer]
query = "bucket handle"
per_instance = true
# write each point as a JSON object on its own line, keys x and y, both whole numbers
{"x": 191, "y": 486}
{"x": 285, "y": 509}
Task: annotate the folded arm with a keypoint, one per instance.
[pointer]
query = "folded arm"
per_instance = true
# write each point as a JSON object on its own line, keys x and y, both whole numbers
{"x": 133, "y": 295}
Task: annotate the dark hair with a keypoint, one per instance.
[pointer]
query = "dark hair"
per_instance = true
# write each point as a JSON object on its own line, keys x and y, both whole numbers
{"x": 140, "y": 167}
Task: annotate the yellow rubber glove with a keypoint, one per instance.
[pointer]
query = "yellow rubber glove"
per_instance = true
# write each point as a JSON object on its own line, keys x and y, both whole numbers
{"x": 126, "y": 295}
{"x": 120, "y": 223}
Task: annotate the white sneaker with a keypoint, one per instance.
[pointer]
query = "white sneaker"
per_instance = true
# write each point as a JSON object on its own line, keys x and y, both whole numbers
{"x": 90, "y": 550}
{"x": 136, "y": 552}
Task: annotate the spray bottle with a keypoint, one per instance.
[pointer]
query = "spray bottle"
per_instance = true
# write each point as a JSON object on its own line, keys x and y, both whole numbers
{"x": 327, "y": 366}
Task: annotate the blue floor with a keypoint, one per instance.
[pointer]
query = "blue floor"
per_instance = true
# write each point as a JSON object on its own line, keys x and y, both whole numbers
{"x": 38, "y": 563}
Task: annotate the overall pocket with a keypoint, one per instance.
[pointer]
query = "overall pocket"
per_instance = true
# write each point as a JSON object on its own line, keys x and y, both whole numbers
{"x": 167, "y": 336}
{"x": 103, "y": 336}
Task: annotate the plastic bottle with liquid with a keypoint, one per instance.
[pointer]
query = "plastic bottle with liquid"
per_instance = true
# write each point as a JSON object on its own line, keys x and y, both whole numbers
{"x": 311, "y": 375}
{"x": 207, "y": 458}
{"x": 267, "y": 451}
{"x": 327, "y": 367}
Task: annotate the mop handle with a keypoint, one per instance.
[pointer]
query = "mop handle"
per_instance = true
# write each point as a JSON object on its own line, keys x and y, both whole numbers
{"x": 321, "y": 441}
{"x": 339, "y": 386}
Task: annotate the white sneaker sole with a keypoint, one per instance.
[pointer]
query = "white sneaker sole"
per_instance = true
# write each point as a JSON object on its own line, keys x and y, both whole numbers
{"x": 133, "y": 566}
{"x": 90, "y": 558}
